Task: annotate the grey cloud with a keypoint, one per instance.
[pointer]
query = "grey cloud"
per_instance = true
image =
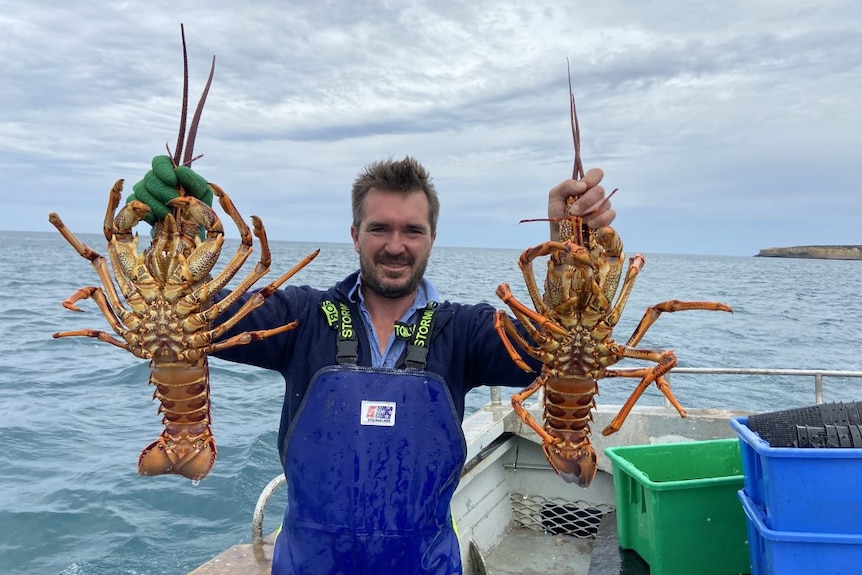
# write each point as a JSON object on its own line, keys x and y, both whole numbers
{"x": 702, "y": 113}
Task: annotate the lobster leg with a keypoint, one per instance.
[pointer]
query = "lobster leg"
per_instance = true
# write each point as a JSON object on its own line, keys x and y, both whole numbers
{"x": 94, "y": 333}
{"x": 518, "y": 405}
{"x": 123, "y": 246}
{"x": 127, "y": 262}
{"x": 653, "y": 313}
{"x": 124, "y": 259}
{"x": 243, "y": 251}
{"x": 101, "y": 301}
{"x": 120, "y": 225}
{"x": 505, "y": 293}
{"x": 666, "y": 361}
{"x": 504, "y": 328}
{"x": 525, "y": 262}
{"x": 108, "y": 301}
{"x": 98, "y": 261}
{"x": 230, "y": 209}
{"x": 564, "y": 255}
{"x": 256, "y": 300}
{"x": 247, "y": 337}
{"x": 636, "y": 263}
{"x": 542, "y": 352}
{"x": 210, "y": 288}
{"x": 95, "y": 293}
{"x": 201, "y": 341}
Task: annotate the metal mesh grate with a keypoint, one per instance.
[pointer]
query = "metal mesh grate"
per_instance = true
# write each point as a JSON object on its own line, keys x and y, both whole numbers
{"x": 557, "y": 516}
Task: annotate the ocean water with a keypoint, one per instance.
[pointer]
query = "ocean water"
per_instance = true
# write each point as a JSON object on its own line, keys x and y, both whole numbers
{"x": 75, "y": 413}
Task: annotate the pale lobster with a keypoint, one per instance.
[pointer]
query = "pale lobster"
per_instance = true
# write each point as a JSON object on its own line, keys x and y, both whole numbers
{"x": 169, "y": 291}
{"x": 571, "y": 332}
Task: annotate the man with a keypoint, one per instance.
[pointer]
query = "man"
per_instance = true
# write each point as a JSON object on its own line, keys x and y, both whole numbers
{"x": 376, "y": 375}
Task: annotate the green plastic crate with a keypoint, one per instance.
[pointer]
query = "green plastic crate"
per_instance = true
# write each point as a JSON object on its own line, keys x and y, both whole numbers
{"x": 677, "y": 506}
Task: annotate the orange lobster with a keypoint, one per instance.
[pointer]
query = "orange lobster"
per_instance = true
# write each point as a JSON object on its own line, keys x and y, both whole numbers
{"x": 169, "y": 291}
{"x": 571, "y": 332}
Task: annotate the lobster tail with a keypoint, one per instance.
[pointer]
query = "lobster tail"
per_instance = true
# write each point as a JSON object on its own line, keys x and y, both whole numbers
{"x": 577, "y": 465}
{"x": 186, "y": 445}
{"x": 568, "y": 412}
{"x": 186, "y": 454}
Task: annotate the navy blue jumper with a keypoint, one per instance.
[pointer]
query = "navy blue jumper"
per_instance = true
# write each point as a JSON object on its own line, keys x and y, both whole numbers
{"x": 465, "y": 349}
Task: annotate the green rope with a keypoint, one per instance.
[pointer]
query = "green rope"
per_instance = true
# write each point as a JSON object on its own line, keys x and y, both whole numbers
{"x": 161, "y": 184}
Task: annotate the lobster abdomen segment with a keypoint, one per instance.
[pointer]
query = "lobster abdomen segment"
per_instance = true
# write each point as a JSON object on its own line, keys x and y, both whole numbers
{"x": 568, "y": 413}
{"x": 186, "y": 445}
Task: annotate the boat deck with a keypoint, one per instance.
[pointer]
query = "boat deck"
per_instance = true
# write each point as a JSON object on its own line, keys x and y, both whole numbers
{"x": 247, "y": 559}
{"x": 527, "y": 552}
{"x": 608, "y": 558}
{"x": 521, "y": 552}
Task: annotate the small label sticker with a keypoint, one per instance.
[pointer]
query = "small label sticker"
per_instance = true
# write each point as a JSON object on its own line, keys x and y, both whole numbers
{"x": 377, "y": 413}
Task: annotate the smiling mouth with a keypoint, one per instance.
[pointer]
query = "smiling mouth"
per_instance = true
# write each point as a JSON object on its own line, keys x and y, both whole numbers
{"x": 395, "y": 264}
{"x": 394, "y": 269}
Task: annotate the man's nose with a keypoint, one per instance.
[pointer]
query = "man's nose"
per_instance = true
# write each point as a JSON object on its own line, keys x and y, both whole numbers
{"x": 395, "y": 243}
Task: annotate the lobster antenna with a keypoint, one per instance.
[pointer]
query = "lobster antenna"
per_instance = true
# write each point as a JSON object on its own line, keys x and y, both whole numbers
{"x": 193, "y": 129}
{"x": 178, "y": 151}
{"x": 576, "y": 129}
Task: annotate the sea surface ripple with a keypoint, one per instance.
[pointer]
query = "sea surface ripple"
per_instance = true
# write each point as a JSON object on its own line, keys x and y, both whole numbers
{"x": 75, "y": 412}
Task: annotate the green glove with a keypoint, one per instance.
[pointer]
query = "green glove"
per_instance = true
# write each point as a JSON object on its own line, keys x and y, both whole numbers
{"x": 160, "y": 184}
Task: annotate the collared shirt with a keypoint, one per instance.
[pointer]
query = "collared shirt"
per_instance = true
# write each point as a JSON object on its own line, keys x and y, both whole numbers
{"x": 394, "y": 347}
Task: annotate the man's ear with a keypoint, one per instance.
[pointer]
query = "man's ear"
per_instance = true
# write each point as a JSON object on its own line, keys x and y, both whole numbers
{"x": 355, "y": 235}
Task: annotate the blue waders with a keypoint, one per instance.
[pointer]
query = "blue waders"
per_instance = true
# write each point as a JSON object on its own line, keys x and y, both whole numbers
{"x": 373, "y": 457}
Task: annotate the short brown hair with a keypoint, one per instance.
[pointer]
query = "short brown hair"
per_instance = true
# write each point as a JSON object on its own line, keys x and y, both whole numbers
{"x": 405, "y": 176}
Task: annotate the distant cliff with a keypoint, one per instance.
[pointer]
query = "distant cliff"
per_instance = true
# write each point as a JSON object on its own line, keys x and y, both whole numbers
{"x": 814, "y": 252}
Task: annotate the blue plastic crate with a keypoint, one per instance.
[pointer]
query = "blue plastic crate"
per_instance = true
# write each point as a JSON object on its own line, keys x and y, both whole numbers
{"x": 786, "y": 552}
{"x": 802, "y": 489}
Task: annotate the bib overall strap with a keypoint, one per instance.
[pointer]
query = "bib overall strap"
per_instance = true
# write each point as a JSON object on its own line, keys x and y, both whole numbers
{"x": 418, "y": 336}
{"x": 338, "y": 317}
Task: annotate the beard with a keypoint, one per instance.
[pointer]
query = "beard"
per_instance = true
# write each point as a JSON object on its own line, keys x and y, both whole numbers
{"x": 386, "y": 287}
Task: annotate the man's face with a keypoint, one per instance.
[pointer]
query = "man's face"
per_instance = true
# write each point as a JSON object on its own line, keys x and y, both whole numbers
{"x": 393, "y": 241}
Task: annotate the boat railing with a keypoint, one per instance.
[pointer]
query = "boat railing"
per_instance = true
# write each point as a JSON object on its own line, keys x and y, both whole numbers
{"x": 496, "y": 402}
{"x": 817, "y": 374}
{"x": 260, "y": 508}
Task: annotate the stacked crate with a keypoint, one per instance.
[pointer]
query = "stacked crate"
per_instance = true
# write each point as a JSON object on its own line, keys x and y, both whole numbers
{"x": 802, "y": 493}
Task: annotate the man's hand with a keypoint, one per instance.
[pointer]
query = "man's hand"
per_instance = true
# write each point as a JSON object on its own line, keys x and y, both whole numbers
{"x": 590, "y": 201}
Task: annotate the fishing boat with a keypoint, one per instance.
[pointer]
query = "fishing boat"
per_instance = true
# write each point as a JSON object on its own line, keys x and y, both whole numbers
{"x": 514, "y": 514}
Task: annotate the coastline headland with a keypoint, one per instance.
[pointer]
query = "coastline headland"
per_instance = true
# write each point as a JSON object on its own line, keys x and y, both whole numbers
{"x": 814, "y": 252}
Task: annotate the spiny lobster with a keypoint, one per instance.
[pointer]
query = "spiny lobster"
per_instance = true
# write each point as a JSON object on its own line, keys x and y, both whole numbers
{"x": 571, "y": 332}
{"x": 169, "y": 290}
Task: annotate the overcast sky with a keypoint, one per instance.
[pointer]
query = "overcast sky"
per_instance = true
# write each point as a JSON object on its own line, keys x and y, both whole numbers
{"x": 727, "y": 126}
